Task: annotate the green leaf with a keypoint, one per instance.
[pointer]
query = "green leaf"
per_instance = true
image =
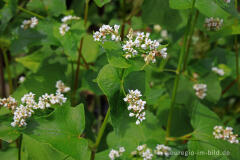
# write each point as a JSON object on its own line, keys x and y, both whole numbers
{"x": 62, "y": 130}
{"x": 25, "y": 40}
{"x": 53, "y": 7}
{"x": 7, "y": 132}
{"x": 135, "y": 80}
{"x": 180, "y": 4}
{"x": 7, "y": 12}
{"x": 204, "y": 7}
{"x": 90, "y": 49}
{"x": 101, "y": 3}
{"x": 32, "y": 149}
{"x": 33, "y": 61}
{"x": 166, "y": 17}
{"x": 203, "y": 121}
{"x": 9, "y": 154}
{"x": 214, "y": 89}
{"x": 115, "y": 55}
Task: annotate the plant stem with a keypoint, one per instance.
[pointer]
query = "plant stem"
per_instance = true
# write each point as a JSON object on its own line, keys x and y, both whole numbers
{"x": 77, "y": 73}
{"x": 8, "y": 70}
{"x": 19, "y": 146}
{"x": 190, "y": 40}
{"x": 184, "y": 137}
{"x": 237, "y": 50}
{"x": 100, "y": 134}
{"x": 79, "y": 55}
{"x": 2, "y": 81}
{"x": 30, "y": 12}
{"x": 176, "y": 82}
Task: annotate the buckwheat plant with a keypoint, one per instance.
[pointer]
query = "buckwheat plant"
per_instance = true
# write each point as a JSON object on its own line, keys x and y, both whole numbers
{"x": 218, "y": 71}
{"x": 213, "y": 24}
{"x": 136, "y": 105}
{"x": 162, "y": 150}
{"x": 139, "y": 43}
{"x": 143, "y": 151}
{"x": 201, "y": 90}
{"x": 64, "y": 28}
{"x": 114, "y": 154}
{"x": 107, "y": 32}
{"x": 29, "y": 23}
{"x": 226, "y": 134}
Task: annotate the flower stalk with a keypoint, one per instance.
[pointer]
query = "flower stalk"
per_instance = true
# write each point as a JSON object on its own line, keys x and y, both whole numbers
{"x": 176, "y": 81}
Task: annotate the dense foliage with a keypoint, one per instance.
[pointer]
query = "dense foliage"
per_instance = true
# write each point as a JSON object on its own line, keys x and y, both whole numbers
{"x": 120, "y": 79}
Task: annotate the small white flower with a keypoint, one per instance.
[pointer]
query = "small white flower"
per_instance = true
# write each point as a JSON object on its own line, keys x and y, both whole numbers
{"x": 136, "y": 105}
{"x": 226, "y": 134}
{"x": 63, "y": 29}
{"x": 69, "y": 17}
{"x": 201, "y": 90}
{"x": 164, "y": 33}
{"x": 106, "y": 31}
{"x": 227, "y": 1}
{"x": 162, "y": 150}
{"x": 214, "y": 24}
{"x": 219, "y": 71}
{"x": 61, "y": 87}
{"x": 113, "y": 154}
{"x": 21, "y": 79}
{"x": 157, "y": 28}
{"x": 9, "y": 103}
{"x": 29, "y": 23}
{"x": 34, "y": 22}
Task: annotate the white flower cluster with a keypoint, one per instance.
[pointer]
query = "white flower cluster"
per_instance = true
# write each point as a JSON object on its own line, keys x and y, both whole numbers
{"x": 213, "y": 24}
{"x": 26, "y": 109}
{"x": 226, "y": 134}
{"x": 29, "y": 23}
{"x": 64, "y": 26}
{"x": 9, "y": 103}
{"x": 219, "y": 71}
{"x": 141, "y": 43}
{"x": 162, "y": 150}
{"x": 144, "y": 152}
{"x": 113, "y": 154}
{"x": 201, "y": 90}
{"x": 136, "y": 105}
{"x": 105, "y": 31}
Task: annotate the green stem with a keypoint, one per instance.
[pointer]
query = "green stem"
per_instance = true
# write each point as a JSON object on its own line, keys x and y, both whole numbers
{"x": 8, "y": 71}
{"x": 237, "y": 50}
{"x": 79, "y": 56}
{"x": 176, "y": 82}
{"x": 100, "y": 134}
{"x": 190, "y": 41}
{"x": 184, "y": 137}
{"x": 30, "y": 12}
{"x": 19, "y": 146}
